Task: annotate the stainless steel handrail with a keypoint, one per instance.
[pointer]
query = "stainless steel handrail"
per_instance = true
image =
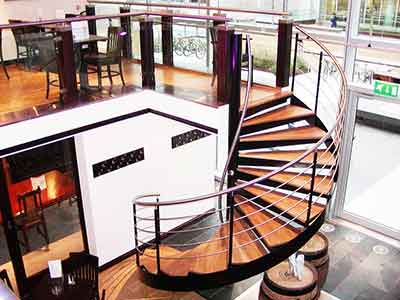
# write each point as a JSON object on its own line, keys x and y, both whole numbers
{"x": 180, "y": 6}
{"x": 239, "y": 128}
{"x": 287, "y": 165}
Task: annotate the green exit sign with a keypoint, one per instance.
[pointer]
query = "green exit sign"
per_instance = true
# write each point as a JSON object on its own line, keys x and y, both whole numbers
{"x": 389, "y": 89}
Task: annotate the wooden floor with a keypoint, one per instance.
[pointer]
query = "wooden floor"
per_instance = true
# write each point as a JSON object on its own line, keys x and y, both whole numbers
{"x": 36, "y": 261}
{"x": 23, "y": 96}
{"x": 121, "y": 282}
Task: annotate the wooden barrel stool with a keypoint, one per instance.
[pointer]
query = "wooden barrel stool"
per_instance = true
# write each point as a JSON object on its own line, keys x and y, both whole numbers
{"x": 279, "y": 285}
{"x": 316, "y": 252}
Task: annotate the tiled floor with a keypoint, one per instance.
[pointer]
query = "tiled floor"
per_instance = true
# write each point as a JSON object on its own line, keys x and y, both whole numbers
{"x": 356, "y": 271}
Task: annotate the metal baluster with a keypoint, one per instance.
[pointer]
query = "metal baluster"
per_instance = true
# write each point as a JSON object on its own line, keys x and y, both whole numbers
{"x": 295, "y": 60}
{"x": 158, "y": 238}
{"x": 231, "y": 217}
{"x": 314, "y": 170}
{"x": 136, "y": 234}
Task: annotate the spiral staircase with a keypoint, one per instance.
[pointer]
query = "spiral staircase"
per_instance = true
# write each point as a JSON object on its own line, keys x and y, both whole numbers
{"x": 283, "y": 170}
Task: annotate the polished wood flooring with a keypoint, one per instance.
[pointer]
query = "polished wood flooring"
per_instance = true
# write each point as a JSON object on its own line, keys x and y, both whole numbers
{"x": 24, "y": 95}
{"x": 36, "y": 261}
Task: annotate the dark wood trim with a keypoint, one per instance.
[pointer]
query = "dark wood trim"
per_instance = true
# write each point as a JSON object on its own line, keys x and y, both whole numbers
{"x": 68, "y": 133}
{"x": 126, "y": 24}
{"x": 78, "y": 192}
{"x": 224, "y": 37}
{"x": 147, "y": 53}
{"x": 66, "y": 66}
{"x": 285, "y": 29}
{"x": 72, "y": 132}
{"x": 181, "y": 120}
{"x": 167, "y": 40}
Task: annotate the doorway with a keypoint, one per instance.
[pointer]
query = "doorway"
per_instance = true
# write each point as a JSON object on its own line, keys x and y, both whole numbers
{"x": 368, "y": 196}
{"x": 44, "y": 209}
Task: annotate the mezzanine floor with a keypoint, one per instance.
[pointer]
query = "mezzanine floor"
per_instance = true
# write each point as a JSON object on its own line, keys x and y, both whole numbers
{"x": 24, "y": 95}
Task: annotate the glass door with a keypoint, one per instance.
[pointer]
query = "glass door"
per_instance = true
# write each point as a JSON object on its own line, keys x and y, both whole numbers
{"x": 44, "y": 205}
{"x": 370, "y": 197}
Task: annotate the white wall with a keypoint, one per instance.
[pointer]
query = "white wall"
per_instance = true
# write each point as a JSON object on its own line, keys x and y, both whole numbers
{"x": 32, "y": 10}
{"x": 182, "y": 172}
{"x": 174, "y": 173}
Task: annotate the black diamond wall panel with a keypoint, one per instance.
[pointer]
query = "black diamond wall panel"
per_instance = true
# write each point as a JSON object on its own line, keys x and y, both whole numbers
{"x": 118, "y": 162}
{"x": 188, "y": 137}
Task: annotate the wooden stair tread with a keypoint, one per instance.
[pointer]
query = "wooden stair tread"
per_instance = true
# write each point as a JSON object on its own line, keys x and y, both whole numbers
{"x": 212, "y": 263}
{"x": 291, "y": 134}
{"x": 323, "y": 184}
{"x": 249, "y": 252}
{"x": 270, "y": 98}
{"x": 293, "y": 206}
{"x": 323, "y": 157}
{"x": 287, "y": 112}
{"x": 166, "y": 252}
{"x": 275, "y": 234}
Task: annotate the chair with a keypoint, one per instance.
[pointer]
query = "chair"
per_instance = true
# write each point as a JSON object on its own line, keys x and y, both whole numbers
{"x": 1, "y": 56}
{"x": 6, "y": 280}
{"x": 31, "y": 216}
{"x": 84, "y": 266}
{"x": 20, "y": 34}
{"x": 112, "y": 57}
{"x": 245, "y": 57}
{"x": 47, "y": 60}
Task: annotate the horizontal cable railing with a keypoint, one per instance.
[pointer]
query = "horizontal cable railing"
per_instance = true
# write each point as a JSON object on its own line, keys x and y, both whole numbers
{"x": 312, "y": 185}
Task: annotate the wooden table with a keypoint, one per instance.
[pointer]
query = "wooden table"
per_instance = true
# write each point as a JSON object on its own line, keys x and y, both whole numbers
{"x": 81, "y": 290}
{"x": 60, "y": 186}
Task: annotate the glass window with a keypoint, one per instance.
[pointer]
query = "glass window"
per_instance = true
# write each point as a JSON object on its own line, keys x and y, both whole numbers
{"x": 375, "y": 64}
{"x": 372, "y": 185}
{"x": 380, "y": 18}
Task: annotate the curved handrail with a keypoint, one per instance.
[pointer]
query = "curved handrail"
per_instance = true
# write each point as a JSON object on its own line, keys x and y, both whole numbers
{"x": 112, "y": 16}
{"x": 208, "y": 8}
{"x": 239, "y": 128}
{"x": 290, "y": 164}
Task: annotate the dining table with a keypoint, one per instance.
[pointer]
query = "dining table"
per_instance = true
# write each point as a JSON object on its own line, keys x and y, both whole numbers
{"x": 80, "y": 289}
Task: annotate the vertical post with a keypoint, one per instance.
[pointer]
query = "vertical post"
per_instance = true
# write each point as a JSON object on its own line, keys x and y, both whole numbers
{"x": 231, "y": 229}
{"x": 158, "y": 238}
{"x": 224, "y": 37}
{"x": 295, "y": 61}
{"x": 167, "y": 40}
{"x": 321, "y": 57}
{"x": 285, "y": 29}
{"x": 66, "y": 65}
{"x": 126, "y": 25}
{"x": 147, "y": 53}
{"x": 312, "y": 186}
{"x": 315, "y": 158}
{"x": 91, "y": 11}
{"x": 216, "y": 23}
{"x": 232, "y": 93}
{"x": 136, "y": 235}
{"x": 11, "y": 232}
